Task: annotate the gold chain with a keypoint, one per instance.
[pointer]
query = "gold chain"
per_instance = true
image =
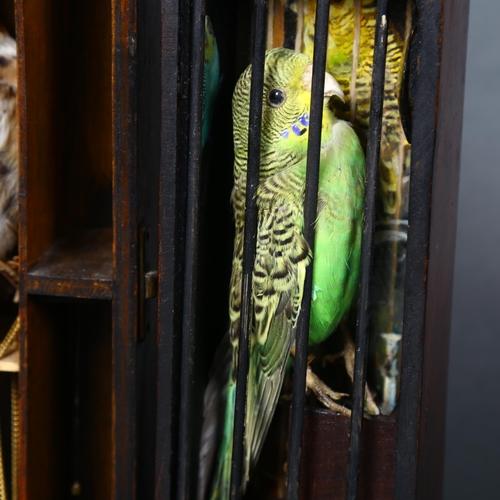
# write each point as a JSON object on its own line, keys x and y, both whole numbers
{"x": 3, "y": 489}
{"x": 10, "y": 337}
{"x": 14, "y": 408}
{"x": 14, "y": 401}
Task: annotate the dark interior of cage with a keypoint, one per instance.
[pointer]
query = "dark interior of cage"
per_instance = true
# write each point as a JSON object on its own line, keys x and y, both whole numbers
{"x": 326, "y": 434}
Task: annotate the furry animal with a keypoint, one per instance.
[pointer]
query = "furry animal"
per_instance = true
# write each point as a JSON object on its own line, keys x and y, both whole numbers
{"x": 8, "y": 145}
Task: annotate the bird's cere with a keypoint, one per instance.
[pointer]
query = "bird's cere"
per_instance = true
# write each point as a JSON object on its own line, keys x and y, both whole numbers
{"x": 332, "y": 87}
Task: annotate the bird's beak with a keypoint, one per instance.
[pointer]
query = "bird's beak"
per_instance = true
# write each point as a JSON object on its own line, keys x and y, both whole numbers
{"x": 332, "y": 87}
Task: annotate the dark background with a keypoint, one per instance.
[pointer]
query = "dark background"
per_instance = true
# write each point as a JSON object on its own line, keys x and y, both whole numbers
{"x": 473, "y": 419}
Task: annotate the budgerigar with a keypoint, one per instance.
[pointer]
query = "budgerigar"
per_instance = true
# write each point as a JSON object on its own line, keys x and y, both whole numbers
{"x": 350, "y": 59}
{"x": 282, "y": 253}
{"x": 8, "y": 145}
{"x": 210, "y": 79}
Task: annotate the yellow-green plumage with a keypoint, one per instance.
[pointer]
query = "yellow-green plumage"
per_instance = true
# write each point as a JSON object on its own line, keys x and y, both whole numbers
{"x": 350, "y": 60}
{"x": 282, "y": 253}
{"x": 351, "y": 29}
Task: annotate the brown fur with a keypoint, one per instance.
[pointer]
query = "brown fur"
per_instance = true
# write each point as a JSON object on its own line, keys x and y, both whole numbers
{"x": 8, "y": 146}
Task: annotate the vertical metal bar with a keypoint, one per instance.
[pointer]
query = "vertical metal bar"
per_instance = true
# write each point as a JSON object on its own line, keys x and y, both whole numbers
{"x": 185, "y": 478}
{"x": 310, "y": 209}
{"x": 253, "y": 163}
{"x": 167, "y": 291}
{"x": 372, "y": 161}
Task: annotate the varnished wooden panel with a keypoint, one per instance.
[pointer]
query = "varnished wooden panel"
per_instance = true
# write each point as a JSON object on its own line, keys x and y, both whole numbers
{"x": 325, "y": 457}
{"x": 66, "y": 244}
{"x": 65, "y": 120}
{"x": 125, "y": 237}
{"x": 40, "y": 73}
{"x": 41, "y": 449}
{"x": 442, "y": 250}
{"x": 48, "y": 359}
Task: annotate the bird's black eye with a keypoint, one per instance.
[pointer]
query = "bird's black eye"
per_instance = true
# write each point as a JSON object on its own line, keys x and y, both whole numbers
{"x": 276, "y": 98}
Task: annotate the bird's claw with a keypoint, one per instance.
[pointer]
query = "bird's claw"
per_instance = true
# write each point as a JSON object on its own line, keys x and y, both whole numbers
{"x": 324, "y": 394}
{"x": 348, "y": 354}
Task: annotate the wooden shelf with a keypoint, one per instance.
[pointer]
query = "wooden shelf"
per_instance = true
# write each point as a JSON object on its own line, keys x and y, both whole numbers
{"x": 79, "y": 265}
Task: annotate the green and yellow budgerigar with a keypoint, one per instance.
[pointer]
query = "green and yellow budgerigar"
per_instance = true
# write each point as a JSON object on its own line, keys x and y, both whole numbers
{"x": 282, "y": 253}
{"x": 351, "y": 37}
{"x": 351, "y": 42}
{"x": 350, "y": 60}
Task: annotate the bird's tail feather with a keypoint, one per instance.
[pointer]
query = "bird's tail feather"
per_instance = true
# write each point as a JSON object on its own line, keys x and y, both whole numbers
{"x": 214, "y": 421}
{"x": 222, "y": 478}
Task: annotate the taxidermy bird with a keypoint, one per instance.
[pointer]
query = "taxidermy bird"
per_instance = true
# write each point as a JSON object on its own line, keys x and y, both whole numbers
{"x": 8, "y": 145}
{"x": 350, "y": 59}
{"x": 210, "y": 79}
{"x": 282, "y": 254}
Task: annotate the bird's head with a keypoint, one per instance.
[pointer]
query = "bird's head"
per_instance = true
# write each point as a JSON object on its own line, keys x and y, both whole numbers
{"x": 286, "y": 102}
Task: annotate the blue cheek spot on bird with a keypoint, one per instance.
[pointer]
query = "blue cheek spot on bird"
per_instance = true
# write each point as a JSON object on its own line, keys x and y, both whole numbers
{"x": 304, "y": 119}
{"x": 285, "y": 134}
{"x": 296, "y": 129}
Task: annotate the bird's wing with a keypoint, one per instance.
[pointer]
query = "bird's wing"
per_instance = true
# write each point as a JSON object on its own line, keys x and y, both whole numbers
{"x": 282, "y": 256}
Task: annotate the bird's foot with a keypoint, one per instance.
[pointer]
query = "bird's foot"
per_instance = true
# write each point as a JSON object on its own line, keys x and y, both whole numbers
{"x": 323, "y": 393}
{"x": 348, "y": 354}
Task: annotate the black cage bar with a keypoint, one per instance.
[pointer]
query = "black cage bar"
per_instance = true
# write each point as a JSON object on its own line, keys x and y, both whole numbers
{"x": 249, "y": 241}
{"x": 362, "y": 334}
{"x": 310, "y": 209}
{"x": 188, "y": 422}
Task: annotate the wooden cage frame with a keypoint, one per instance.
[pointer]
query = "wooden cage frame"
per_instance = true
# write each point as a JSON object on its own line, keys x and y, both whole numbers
{"x": 103, "y": 116}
